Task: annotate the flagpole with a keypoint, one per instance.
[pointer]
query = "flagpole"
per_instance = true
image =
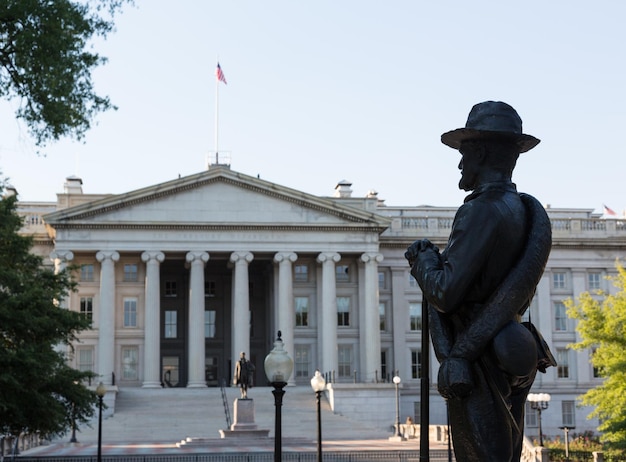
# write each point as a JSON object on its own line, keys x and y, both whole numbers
{"x": 217, "y": 112}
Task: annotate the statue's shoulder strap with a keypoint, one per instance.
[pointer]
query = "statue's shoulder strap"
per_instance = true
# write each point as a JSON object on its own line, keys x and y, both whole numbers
{"x": 517, "y": 289}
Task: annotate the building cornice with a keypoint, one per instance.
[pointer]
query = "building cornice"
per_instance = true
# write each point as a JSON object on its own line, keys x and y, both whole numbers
{"x": 373, "y": 228}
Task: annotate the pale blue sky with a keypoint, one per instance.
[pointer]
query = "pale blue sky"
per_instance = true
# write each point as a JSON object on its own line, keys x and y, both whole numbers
{"x": 355, "y": 89}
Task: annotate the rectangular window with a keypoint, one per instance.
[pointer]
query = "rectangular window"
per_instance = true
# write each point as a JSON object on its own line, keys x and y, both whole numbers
{"x": 343, "y": 311}
{"x": 170, "y": 289}
{"x": 302, "y": 362}
{"x": 301, "y": 305}
{"x": 170, "y": 324}
{"x": 382, "y": 317}
{"x": 559, "y": 280}
{"x": 381, "y": 280}
{"x": 130, "y": 272}
{"x": 593, "y": 281}
{"x": 562, "y": 359}
{"x": 129, "y": 363}
{"x": 209, "y": 289}
{"x": 86, "y": 307}
{"x": 130, "y": 312}
{"x": 415, "y": 316}
{"x": 416, "y": 364}
{"x": 209, "y": 323}
{"x": 86, "y": 273}
{"x": 383, "y": 366}
{"x": 568, "y": 411}
{"x": 560, "y": 317}
{"x": 412, "y": 282}
{"x": 342, "y": 273}
{"x": 301, "y": 273}
{"x": 596, "y": 371}
{"x": 417, "y": 411}
{"x": 85, "y": 359}
{"x": 531, "y": 416}
{"x": 344, "y": 353}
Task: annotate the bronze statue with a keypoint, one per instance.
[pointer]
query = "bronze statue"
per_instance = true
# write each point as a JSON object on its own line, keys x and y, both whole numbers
{"x": 244, "y": 373}
{"x": 481, "y": 284}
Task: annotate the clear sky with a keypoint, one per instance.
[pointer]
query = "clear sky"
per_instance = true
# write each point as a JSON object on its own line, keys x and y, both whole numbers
{"x": 354, "y": 89}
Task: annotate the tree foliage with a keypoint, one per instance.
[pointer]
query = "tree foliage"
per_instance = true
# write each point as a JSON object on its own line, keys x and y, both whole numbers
{"x": 46, "y": 60}
{"x": 602, "y": 328}
{"x": 39, "y": 392}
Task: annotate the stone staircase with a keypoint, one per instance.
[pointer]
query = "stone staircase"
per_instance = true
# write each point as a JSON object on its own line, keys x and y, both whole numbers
{"x": 174, "y": 414}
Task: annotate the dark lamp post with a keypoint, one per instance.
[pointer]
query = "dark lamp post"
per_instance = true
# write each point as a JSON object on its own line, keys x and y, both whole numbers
{"x": 539, "y": 402}
{"x": 278, "y": 367}
{"x": 73, "y": 438}
{"x": 319, "y": 385}
{"x": 101, "y": 390}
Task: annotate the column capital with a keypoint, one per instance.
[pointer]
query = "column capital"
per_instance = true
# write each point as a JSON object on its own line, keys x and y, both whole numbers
{"x": 201, "y": 257}
{"x": 243, "y": 256}
{"x": 328, "y": 256}
{"x": 155, "y": 256}
{"x": 371, "y": 257}
{"x": 285, "y": 257}
{"x": 64, "y": 255}
{"x": 107, "y": 255}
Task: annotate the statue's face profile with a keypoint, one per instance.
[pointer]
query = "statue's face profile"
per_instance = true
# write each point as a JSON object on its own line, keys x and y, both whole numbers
{"x": 470, "y": 166}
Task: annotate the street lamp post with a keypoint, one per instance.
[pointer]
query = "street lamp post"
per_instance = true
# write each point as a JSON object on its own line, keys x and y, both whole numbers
{"x": 396, "y": 381}
{"x": 73, "y": 438}
{"x": 566, "y": 429}
{"x": 318, "y": 384}
{"x": 278, "y": 367}
{"x": 100, "y": 392}
{"x": 539, "y": 402}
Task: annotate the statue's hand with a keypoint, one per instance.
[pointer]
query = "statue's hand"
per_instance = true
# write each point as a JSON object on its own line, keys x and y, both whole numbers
{"x": 417, "y": 247}
{"x": 455, "y": 378}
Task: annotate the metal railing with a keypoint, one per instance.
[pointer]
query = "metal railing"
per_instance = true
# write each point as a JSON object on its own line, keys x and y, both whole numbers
{"x": 438, "y": 455}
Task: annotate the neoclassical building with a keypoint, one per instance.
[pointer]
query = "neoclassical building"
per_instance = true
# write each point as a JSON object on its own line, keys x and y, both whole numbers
{"x": 180, "y": 277}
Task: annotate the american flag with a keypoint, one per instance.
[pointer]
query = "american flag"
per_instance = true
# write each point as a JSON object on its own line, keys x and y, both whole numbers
{"x": 220, "y": 74}
{"x": 609, "y": 211}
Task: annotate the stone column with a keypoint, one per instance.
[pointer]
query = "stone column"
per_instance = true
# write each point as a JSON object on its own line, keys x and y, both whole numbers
{"x": 152, "y": 325}
{"x": 241, "y": 305}
{"x": 196, "y": 374}
{"x": 285, "y": 315}
{"x": 370, "y": 325}
{"x": 106, "y": 316}
{"x": 327, "y": 328}
{"x": 61, "y": 259}
{"x": 400, "y": 317}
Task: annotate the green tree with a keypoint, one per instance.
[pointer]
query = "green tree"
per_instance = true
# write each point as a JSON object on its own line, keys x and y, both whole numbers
{"x": 602, "y": 328}
{"x": 39, "y": 392}
{"x": 46, "y": 60}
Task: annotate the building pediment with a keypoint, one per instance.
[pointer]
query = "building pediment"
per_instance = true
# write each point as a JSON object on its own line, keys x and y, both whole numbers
{"x": 216, "y": 199}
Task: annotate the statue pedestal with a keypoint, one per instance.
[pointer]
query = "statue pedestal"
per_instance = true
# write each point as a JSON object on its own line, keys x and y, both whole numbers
{"x": 243, "y": 423}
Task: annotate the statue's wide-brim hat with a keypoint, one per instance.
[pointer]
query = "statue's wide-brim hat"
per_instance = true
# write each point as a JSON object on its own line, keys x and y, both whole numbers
{"x": 491, "y": 119}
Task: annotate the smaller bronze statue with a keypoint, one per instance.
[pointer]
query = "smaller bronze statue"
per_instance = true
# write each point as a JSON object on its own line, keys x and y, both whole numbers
{"x": 244, "y": 371}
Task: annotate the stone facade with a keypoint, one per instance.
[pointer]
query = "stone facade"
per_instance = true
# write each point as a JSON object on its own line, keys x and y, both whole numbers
{"x": 180, "y": 277}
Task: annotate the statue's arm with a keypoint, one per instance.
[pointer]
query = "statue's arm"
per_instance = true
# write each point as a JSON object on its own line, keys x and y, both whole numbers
{"x": 446, "y": 278}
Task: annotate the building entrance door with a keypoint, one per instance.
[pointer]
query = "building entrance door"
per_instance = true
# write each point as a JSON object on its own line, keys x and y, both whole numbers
{"x": 170, "y": 372}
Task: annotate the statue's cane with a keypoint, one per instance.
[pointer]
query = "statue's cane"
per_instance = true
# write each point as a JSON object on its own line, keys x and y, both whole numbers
{"x": 425, "y": 386}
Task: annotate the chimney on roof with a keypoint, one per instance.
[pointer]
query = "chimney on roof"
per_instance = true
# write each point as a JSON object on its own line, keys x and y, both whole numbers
{"x": 73, "y": 185}
{"x": 10, "y": 191}
{"x": 343, "y": 189}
